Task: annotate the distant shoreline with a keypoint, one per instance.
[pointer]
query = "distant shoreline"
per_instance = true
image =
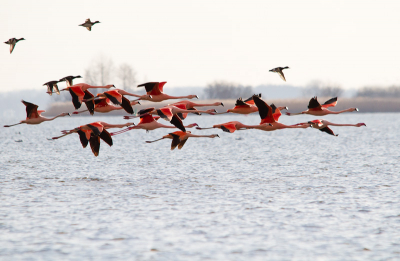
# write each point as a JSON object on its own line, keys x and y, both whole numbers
{"x": 294, "y": 105}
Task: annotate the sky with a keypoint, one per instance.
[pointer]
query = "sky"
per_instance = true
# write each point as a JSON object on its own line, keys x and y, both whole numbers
{"x": 193, "y": 43}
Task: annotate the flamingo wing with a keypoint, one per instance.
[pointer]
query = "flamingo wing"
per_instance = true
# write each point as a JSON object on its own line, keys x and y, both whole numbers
{"x": 101, "y": 102}
{"x": 114, "y": 96}
{"x": 147, "y": 118}
{"x": 314, "y": 104}
{"x": 89, "y": 104}
{"x": 75, "y": 93}
{"x": 95, "y": 144}
{"x": 152, "y": 88}
{"x": 31, "y": 110}
{"x": 241, "y": 103}
{"x": 145, "y": 111}
{"x": 165, "y": 113}
{"x": 330, "y": 103}
{"x": 82, "y": 137}
{"x": 177, "y": 122}
{"x": 106, "y": 137}
{"x": 276, "y": 113}
{"x": 328, "y": 130}
{"x": 264, "y": 110}
{"x": 180, "y": 145}
{"x": 95, "y": 129}
{"x": 126, "y": 104}
{"x": 250, "y": 100}
{"x": 228, "y": 127}
{"x": 175, "y": 140}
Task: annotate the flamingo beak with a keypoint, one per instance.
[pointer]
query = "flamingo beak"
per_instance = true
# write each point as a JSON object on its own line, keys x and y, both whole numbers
{"x": 139, "y": 103}
{"x": 222, "y": 104}
{"x": 286, "y": 108}
{"x": 357, "y": 109}
{"x": 218, "y": 136}
{"x": 69, "y": 114}
{"x": 196, "y": 97}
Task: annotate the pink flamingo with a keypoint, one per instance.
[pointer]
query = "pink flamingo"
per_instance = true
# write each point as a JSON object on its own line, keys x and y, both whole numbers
{"x": 33, "y": 116}
{"x": 270, "y": 116}
{"x": 230, "y": 127}
{"x": 92, "y": 133}
{"x": 148, "y": 123}
{"x": 316, "y": 109}
{"x": 155, "y": 92}
{"x": 188, "y": 105}
{"x": 105, "y": 105}
{"x": 322, "y": 125}
{"x": 179, "y": 138}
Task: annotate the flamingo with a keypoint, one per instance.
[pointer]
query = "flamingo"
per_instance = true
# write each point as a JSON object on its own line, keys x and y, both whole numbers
{"x": 179, "y": 138}
{"x": 116, "y": 97}
{"x": 104, "y": 105}
{"x": 92, "y": 133}
{"x": 12, "y": 42}
{"x": 149, "y": 122}
{"x": 79, "y": 92}
{"x": 88, "y": 24}
{"x": 243, "y": 107}
{"x": 316, "y": 109}
{"x": 69, "y": 79}
{"x": 188, "y": 105}
{"x": 230, "y": 127}
{"x": 50, "y": 86}
{"x": 322, "y": 125}
{"x": 171, "y": 114}
{"x": 155, "y": 93}
{"x": 270, "y": 116}
{"x": 33, "y": 116}
{"x": 279, "y": 71}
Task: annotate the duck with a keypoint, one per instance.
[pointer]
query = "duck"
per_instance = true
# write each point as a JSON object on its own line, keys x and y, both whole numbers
{"x": 279, "y": 71}
{"x": 12, "y": 42}
{"x": 88, "y": 24}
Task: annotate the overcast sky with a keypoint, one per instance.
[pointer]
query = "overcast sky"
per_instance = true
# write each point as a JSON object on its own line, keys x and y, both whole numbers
{"x": 192, "y": 43}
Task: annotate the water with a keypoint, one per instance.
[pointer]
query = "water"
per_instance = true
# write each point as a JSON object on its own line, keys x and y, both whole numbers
{"x": 251, "y": 195}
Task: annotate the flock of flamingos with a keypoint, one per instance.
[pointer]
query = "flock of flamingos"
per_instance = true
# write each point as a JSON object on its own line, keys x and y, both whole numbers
{"x": 116, "y": 99}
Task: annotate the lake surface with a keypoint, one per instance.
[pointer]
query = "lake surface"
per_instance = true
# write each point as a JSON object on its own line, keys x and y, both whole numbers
{"x": 295, "y": 194}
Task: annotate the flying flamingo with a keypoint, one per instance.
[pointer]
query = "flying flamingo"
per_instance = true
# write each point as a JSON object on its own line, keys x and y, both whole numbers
{"x": 279, "y": 71}
{"x": 69, "y": 79}
{"x": 188, "y": 105}
{"x": 230, "y": 127}
{"x": 52, "y": 85}
{"x": 270, "y": 116}
{"x": 79, "y": 92}
{"x": 149, "y": 122}
{"x": 243, "y": 107}
{"x": 316, "y": 109}
{"x": 170, "y": 113}
{"x": 116, "y": 97}
{"x": 88, "y": 24}
{"x": 12, "y": 42}
{"x": 33, "y": 116}
{"x": 155, "y": 93}
{"x": 92, "y": 133}
{"x": 105, "y": 105}
{"x": 179, "y": 138}
{"x": 322, "y": 125}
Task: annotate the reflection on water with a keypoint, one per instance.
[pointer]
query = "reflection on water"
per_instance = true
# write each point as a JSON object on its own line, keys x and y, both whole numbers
{"x": 250, "y": 195}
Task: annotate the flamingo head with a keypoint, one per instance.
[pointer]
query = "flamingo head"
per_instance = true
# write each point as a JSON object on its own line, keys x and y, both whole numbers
{"x": 214, "y": 135}
{"x": 193, "y": 125}
{"x": 361, "y": 124}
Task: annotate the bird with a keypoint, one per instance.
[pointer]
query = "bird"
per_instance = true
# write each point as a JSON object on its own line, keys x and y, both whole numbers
{"x": 116, "y": 96}
{"x": 243, "y": 107}
{"x": 269, "y": 116}
{"x": 69, "y": 79}
{"x": 105, "y": 105}
{"x": 322, "y": 125}
{"x": 52, "y": 85}
{"x": 179, "y": 138}
{"x": 88, "y": 24}
{"x": 92, "y": 133}
{"x": 316, "y": 109}
{"x": 79, "y": 92}
{"x": 188, "y": 105}
{"x": 12, "y": 42}
{"x": 171, "y": 114}
{"x": 33, "y": 115}
{"x": 155, "y": 93}
{"x": 149, "y": 122}
{"x": 230, "y": 127}
{"x": 279, "y": 71}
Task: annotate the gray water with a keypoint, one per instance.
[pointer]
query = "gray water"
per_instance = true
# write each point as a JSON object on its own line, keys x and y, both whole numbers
{"x": 284, "y": 195}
